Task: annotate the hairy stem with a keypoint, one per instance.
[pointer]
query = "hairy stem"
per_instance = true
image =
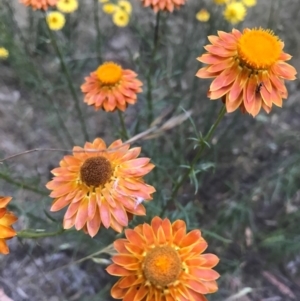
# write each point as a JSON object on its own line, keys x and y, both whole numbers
{"x": 202, "y": 147}
{"x": 69, "y": 81}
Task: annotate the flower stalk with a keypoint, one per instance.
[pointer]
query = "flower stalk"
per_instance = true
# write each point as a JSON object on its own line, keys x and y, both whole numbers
{"x": 29, "y": 233}
{"x": 203, "y": 144}
{"x": 69, "y": 81}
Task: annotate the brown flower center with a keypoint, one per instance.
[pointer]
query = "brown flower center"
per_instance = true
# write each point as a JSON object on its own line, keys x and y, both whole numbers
{"x": 95, "y": 171}
{"x": 162, "y": 266}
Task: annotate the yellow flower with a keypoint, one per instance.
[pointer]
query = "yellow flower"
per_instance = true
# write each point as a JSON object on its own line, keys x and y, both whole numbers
{"x": 203, "y": 15}
{"x": 103, "y": 1}
{"x": 125, "y": 6}
{"x": 235, "y": 12}
{"x": 56, "y": 20}
{"x": 3, "y": 53}
{"x": 67, "y": 6}
{"x": 109, "y": 8}
{"x": 120, "y": 18}
{"x": 249, "y": 2}
{"x": 220, "y": 1}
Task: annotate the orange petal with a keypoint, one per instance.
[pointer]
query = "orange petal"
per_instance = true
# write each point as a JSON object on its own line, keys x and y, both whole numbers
{"x": 3, "y": 247}
{"x": 120, "y": 215}
{"x": 167, "y": 228}
{"x": 62, "y": 190}
{"x": 210, "y": 59}
{"x": 7, "y": 232}
{"x": 156, "y": 223}
{"x": 92, "y": 205}
{"x": 212, "y": 286}
{"x": 105, "y": 214}
{"x": 59, "y": 203}
{"x": 203, "y": 73}
{"x": 284, "y": 70}
{"x": 191, "y": 238}
{"x": 124, "y": 259}
{"x": 204, "y": 273}
{"x": 94, "y": 224}
{"x": 82, "y": 214}
{"x": 196, "y": 286}
{"x": 116, "y": 270}
{"x": 8, "y": 219}
{"x": 231, "y": 106}
{"x": 69, "y": 223}
{"x": 72, "y": 209}
{"x": 119, "y": 245}
{"x": 148, "y": 234}
{"x": 219, "y": 51}
{"x": 130, "y": 294}
{"x": 4, "y": 200}
{"x": 2, "y": 212}
{"x": 127, "y": 281}
{"x": 117, "y": 292}
{"x": 161, "y": 239}
{"x": 134, "y": 237}
{"x": 196, "y": 262}
{"x": 141, "y": 293}
{"x": 179, "y": 235}
{"x": 178, "y": 225}
{"x": 134, "y": 249}
{"x": 211, "y": 260}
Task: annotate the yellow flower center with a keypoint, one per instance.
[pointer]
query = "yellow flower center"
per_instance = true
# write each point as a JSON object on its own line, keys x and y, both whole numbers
{"x": 95, "y": 171}
{"x": 109, "y": 73}
{"x": 162, "y": 266}
{"x": 259, "y": 48}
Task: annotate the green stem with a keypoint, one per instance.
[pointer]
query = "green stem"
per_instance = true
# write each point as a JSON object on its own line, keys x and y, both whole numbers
{"x": 99, "y": 39}
{"x": 149, "y": 75}
{"x": 123, "y": 126}
{"x": 202, "y": 147}
{"x": 34, "y": 234}
{"x": 61, "y": 125}
{"x": 69, "y": 81}
{"x": 22, "y": 185}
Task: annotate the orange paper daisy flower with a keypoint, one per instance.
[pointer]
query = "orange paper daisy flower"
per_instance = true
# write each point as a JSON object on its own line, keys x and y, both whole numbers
{"x": 100, "y": 185}
{"x": 249, "y": 69}
{"x": 167, "y": 5}
{"x": 161, "y": 262}
{"x": 7, "y": 218}
{"x": 110, "y": 87}
{"x": 39, "y": 4}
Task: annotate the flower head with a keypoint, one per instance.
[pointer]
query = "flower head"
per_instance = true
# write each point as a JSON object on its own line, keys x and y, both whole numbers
{"x": 55, "y": 20}
{"x": 249, "y": 69}
{"x": 109, "y": 8}
{"x": 249, "y": 3}
{"x": 110, "y": 87}
{"x": 167, "y": 5}
{"x": 120, "y": 18}
{"x": 162, "y": 262}
{"x": 4, "y": 54}
{"x": 125, "y": 6}
{"x": 100, "y": 185}
{"x": 39, "y": 4}
{"x": 203, "y": 15}
{"x": 235, "y": 12}
{"x": 67, "y": 6}
{"x": 7, "y": 218}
